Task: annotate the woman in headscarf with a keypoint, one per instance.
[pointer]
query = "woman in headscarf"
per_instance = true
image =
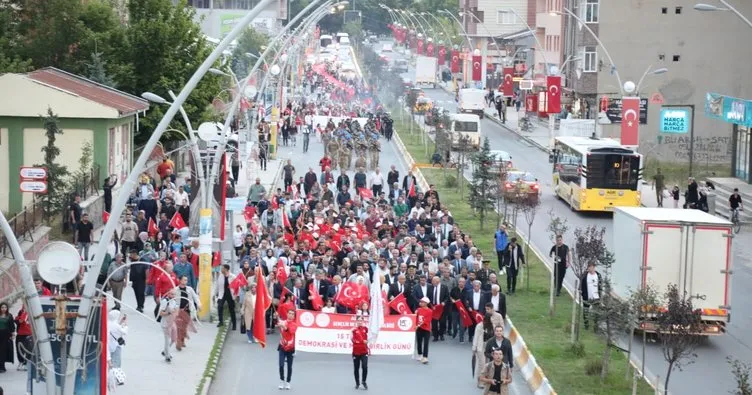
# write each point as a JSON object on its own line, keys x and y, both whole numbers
{"x": 186, "y": 314}
{"x": 248, "y": 308}
{"x": 117, "y": 329}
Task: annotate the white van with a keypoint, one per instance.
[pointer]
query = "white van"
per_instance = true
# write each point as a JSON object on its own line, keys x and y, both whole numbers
{"x": 344, "y": 42}
{"x": 342, "y": 35}
{"x": 467, "y": 126}
{"x": 472, "y": 100}
{"x": 325, "y": 40}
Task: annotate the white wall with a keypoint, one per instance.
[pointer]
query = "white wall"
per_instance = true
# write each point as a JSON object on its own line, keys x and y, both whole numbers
{"x": 69, "y": 143}
{"x": 494, "y": 26}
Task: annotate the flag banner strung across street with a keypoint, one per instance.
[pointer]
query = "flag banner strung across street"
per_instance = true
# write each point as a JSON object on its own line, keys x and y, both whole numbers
{"x": 330, "y": 334}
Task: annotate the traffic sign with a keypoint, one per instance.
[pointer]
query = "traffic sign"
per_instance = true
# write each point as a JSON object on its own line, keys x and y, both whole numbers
{"x": 33, "y": 173}
{"x": 33, "y": 186}
{"x": 657, "y": 98}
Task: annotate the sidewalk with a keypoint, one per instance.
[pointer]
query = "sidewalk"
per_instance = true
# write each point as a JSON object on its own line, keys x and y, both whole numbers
{"x": 145, "y": 368}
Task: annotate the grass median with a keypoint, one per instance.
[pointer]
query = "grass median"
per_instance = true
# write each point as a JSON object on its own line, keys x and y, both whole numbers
{"x": 548, "y": 338}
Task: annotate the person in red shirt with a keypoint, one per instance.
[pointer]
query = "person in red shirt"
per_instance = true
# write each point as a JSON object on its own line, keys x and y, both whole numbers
{"x": 166, "y": 281}
{"x": 23, "y": 337}
{"x": 285, "y": 306}
{"x": 286, "y": 348}
{"x": 325, "y": 163}
{"x": 423, "y": 333}
{"x": 41, "y": 289}
{"x": 360, "y": 351}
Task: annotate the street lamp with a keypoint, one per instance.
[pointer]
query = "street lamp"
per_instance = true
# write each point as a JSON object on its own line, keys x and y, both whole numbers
{"x": 729, "y": 7}
{"x": 535, "y": 37}
{"x": 647, "y": 72}
{"x": 462, "y": 27}
{"x": 87, "y": 299}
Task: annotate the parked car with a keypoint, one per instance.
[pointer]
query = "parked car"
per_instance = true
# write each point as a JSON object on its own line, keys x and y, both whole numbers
{"x": 500, "y": 159}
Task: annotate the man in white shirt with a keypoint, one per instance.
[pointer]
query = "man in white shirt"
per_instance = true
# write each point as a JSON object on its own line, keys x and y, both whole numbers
{"x": 591, "y": 286}
{"x": 182, "y": 197}
{"x": 376, "y": 182}
{"x": 498, "y": 300}
{"x": 433, "y": 263}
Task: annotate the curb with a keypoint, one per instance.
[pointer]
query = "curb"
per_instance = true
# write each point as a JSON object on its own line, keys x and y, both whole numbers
{"x": 529, "y": 368}
{"x": 493, "y": 118}
{"x": 211, "y": 366}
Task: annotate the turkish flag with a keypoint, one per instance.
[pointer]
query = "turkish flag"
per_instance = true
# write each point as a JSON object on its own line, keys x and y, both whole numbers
{"x": 352, "y": 295}
{"x": 455, "y": 62}
{"x": 281, "y": 272}
{"x": 477, "y": 316}
{"x": 438, "y": 311}
{"x": 151, "y": 227}
{"x": 317, "y": 302}
{"x": 365, "y": 193}
{"x": 263, "y": 302}
{"x": 248, "y": 213}
{"x": 630, "y": 120}
{"x": 239, "y": 281}
{"x": 464, "y": 315}
{"x": 420, "y": 46}
{"x": 477, "y": 68}
{"x": 553, "y": 94}
{"x": 429, "y": 49}
{"x": 530, "y": 103}
{"x": 411, "y": 192}
{"x": 442, "y": 55}
{"x": 275, "y": 202}
{"x": 285, "y": 219}
{"x": 507, "y": 86}
{"x": 177, "y": 221}
{"x": 105, "y": 217}
{"x": 399, "y": 304}
{"x": 244, "y": 104}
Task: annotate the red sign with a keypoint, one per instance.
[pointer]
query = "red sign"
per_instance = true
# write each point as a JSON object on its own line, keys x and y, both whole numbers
{"x": 477, "y": 69}
{"x": 455, "y": 62}
{"x": 553, "y": 94}
{"x": 420, "y": 47}
{"x": 530, "y": 103}
{"x": 507, "y": 86}
{"x": 630, "y": 120}
{"x": 442, "y": 55}
{"x": 429, "y": 49}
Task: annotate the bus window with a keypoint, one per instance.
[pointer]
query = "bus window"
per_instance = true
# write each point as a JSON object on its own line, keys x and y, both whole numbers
{"x": 568, "y": 166}
{"x": 613, "y": 171}
{"x": 465, "y": 127}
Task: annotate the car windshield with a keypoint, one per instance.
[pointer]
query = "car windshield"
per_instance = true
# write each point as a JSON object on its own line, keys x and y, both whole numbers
{"x": 500, "y": 156}
{"x": 526, "y": 177}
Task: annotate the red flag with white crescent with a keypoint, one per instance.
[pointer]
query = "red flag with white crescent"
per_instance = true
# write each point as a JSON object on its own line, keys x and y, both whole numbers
{"x": 151, "y": 227}
{"x": 317, "y": 302}
{"x": 285, "y": 219}
{"x": 177, "y": 221}
{"x": 442, "y": 55}
{"x": 429, "y": 49}
{"x": 478, "y": 317}
{"x": 437, "y": 311}
{"x": 630, "y": 120}
{"x": 477, "y": 68}
{"x": 553, "y": 94}
{"x": 507, "y": 85}
{"x": 105, "y": 217}
{"x": 420, "y": 46}
{"x": 263, "y": 302}
{"x": 399, "y": 304}
{"x": 352, "y": 295}
{"x": 281, "y": 272}
{"x": 454, "y": 64}
{"x": 239, "y": 281}
{"x": 464, "y": 315}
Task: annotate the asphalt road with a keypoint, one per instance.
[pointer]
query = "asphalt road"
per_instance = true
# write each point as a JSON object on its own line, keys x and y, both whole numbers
{"x": 243, "y": 363}
{"x": 711, "y": 373}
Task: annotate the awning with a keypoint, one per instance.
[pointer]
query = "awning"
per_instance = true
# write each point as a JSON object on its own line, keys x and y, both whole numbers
{"x": 517, "y": 35}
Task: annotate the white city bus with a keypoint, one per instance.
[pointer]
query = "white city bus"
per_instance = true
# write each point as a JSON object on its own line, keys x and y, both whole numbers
{"x": 467, "y": 126}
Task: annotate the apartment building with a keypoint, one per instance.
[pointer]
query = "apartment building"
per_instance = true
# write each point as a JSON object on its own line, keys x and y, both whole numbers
{"x": 218, "y": 17}
{"x": 701, "y": 52}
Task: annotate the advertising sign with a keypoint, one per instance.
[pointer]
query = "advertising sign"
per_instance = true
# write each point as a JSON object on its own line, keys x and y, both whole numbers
{"x": 227, "y": 22}
{"x": 675, "y": 120}
{"x": 330, "y": 334}
{"x": 614, "y": 110}
{"x": 728, "y": 109}
{"x": 32, "y": 179}
{"x": 92, "y": 379}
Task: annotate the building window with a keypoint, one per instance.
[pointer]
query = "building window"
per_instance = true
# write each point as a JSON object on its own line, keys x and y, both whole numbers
{"x": 664, "y": 10}
{"x": 591, "y": 11}
{"x": 678, "y": 10}
{"x": 677, "y": 58}
{"x": 504, "y": 17}
{"x": 590, "y": 60}
{"x": 661, "y": 56}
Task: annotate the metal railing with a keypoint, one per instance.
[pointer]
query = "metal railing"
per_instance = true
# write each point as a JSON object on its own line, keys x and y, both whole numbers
{"x": 23, "y": 225}
{"x": 85, "y": 184}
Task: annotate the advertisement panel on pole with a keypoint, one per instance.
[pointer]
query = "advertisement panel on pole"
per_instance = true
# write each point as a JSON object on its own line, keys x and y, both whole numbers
{"x": 227, "y": 22}
{"x": 614, "y": 110}
{"x": 330, "y": 334}
{"x": 675, "y": 120}
{"x": 92, "y": 379}
{"x": 728, "y": 109}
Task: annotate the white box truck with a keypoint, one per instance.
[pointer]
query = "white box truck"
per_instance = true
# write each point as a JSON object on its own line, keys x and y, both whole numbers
{"x": 688, "y": 248}
{"x": 472, "y": 100}
{"x": 425, "y": 71}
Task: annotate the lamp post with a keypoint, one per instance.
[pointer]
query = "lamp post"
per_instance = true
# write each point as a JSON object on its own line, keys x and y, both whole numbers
{"x": 79, "y": 330}
{"x": 729, "y": 7}
{"x": 467, "y": 37}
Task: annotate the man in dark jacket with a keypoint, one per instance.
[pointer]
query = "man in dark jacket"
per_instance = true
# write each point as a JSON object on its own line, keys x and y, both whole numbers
{"x": 499, "y": 342}
{"x": 308, "y": 181}
{"x": 391, "y": 178}
{"x": 591, "y": 286}
{"x": 343, "y": 180}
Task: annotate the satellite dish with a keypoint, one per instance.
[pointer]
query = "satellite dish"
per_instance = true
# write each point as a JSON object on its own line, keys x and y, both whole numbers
{"x": 209, "y": 131}
{"x": 59, "y": 263}
{"x": 250, "y": 91}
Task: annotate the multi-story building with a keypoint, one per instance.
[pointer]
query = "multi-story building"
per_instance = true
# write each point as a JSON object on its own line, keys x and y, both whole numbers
{"x": 702, "y": 52}
{"x": 218, "y": 17}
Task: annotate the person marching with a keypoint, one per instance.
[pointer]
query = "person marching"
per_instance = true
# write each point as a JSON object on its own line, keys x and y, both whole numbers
{"x": 496, "y": 375}
{"x": 168, "y": 309}
{"x": 286, "y": 348}
{"x": 423, "y": 332}
{"x": 360, "y": 351}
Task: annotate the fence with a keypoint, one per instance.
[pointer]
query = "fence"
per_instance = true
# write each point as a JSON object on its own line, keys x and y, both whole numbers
{"x": 23, "y": 225}
{"x": 85, "y": 184}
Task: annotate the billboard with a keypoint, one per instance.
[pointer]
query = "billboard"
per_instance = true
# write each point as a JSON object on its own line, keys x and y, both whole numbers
{"x": 728, "y": 109}
{"x": 92, "y": 379}
{"x": 613, "y": 111}
{"x": 227, "y": 22}
{"x": 675, "y": 120}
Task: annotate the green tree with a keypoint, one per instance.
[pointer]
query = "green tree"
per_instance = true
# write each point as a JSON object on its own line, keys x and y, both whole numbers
{"x": 54, "y": 200}
{"x": 98, "y": 72}
{"x": 481, "y": 198}
{"x": 11, "y": 60}
{"x": 164, "y": 48}
{"x": 250, "y": 42}
{"x": 741, "y": 372}
{"x": 677, "y": 327}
